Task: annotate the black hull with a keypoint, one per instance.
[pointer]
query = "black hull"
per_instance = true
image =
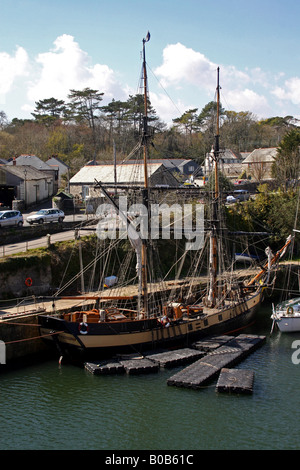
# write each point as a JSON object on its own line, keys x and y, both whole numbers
{"x": 160, "y": 337}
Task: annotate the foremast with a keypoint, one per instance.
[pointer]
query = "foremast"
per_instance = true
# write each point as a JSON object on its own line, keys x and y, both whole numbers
{"x": 145, "y": 191}
{"x": 213, "y": 255}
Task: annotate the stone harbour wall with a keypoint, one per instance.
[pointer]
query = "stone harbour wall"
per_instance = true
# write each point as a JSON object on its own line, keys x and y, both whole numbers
{"x": 13, "y": 283}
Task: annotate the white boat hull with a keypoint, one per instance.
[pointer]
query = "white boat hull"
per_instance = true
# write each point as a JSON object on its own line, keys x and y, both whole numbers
{"x": 287, "y": 315}
{"x": 288, "y": 324}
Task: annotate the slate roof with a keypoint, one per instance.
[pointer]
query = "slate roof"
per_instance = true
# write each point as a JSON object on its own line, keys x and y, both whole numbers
{"x": 31, "y": 160}
{"x": 31, "y": 172}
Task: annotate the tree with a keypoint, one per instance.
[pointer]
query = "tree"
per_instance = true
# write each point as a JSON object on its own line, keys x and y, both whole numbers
{"x": 48, "y": 110}
{"x": 286, "y": 168}
{"x": 188, "y": 121}
{"x": 208, "y": 116}
{"x": 136, "y": 111}
{"x": 116, "y": 116}
{"x": 238, "y": 130}
{"x": 85, "y": 105}
{"x": 3, "y": 120}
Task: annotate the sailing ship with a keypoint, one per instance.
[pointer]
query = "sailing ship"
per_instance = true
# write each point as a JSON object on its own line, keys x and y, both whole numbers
{"x": 223, "y": 304}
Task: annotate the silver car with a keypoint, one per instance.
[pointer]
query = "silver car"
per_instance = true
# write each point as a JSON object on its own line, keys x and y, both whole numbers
{"x": 11, "y": 218}
{"x": 46, "y": 215}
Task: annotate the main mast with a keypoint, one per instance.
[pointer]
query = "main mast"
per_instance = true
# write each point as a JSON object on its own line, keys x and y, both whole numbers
{"x": 145, "y": 191}
{"x": 213, "y": 262}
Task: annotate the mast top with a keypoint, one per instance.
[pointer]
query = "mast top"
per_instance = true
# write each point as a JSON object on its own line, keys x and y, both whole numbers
{"x": 147, "y": 38}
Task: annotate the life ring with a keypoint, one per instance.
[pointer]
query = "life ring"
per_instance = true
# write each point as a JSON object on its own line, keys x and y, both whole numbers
{"x": 83, "y": 328}
{"x": 28, "y": 282}
{"x": 165, "y": 321}
{"x": 290, "y": 311}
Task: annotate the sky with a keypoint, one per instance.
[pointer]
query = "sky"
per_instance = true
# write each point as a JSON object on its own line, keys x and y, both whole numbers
{"x": 49, "y": 47}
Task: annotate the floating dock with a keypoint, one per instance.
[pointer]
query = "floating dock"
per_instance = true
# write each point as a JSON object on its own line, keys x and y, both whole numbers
{"x": 139, "y": 365}
{"x": 211, "y": 343}
{"x": 104, "y": 367}
{"x": 207, "y": 368}
{"x": 175, "y": 358}
{"x": 213, "y": 356}
{"x": 235, "y": 381}
{"x": 150, "y": 362}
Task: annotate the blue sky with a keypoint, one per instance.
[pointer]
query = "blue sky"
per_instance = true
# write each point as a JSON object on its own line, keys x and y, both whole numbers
{"x": 50, "y": 47}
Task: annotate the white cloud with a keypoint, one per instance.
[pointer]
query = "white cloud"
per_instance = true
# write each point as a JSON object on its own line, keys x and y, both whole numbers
{"x": 188, "y": 76}
{"x": 165, "y": 108}
{"x": 290, "y": 91}
{"x": 12, "y": 67}
{"x": 68, "y": 67}
{"x": 183, "y": 68}
{"x": 248, "y": 100}
{"x": 182, "y": 64}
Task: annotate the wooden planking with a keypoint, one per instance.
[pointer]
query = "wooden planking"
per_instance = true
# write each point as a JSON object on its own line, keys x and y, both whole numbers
{"x": 206, "y": 369}
{"x": 235, "y": 381}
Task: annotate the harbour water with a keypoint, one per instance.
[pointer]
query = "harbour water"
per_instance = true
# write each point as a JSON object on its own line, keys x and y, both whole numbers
{"x": 62, "y": 407}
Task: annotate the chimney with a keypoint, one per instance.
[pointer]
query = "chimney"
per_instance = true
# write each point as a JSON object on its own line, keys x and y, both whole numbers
{"x": 14, "y": 161}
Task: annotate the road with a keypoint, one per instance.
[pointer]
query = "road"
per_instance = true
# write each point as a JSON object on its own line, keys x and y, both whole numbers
{"x": 10, "y": 249}
{"x": 68, "y": 218}
{"x": 109, "y": 222}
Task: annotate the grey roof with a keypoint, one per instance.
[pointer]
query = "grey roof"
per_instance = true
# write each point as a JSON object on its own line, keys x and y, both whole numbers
{"x": 31, "y": 160}
{"x": 126, "y": 173}
{"x": 167, "y": 162}
{"x": 261, "y": 155}
{"x": 228, "y": 154}
{"x": 55, "y": 161}
{"x": 31, "y": 173}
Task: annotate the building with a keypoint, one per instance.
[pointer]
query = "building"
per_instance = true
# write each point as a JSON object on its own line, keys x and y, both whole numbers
{"x": 38, "y": 164}
{"x": 230, "y": 163}
{"x": 127, "y": 174}
{"x": 24, "y": 183}
{"x": 259, "y": 163}
{"x": 61, "y": 167}
{"x": 183, "y": 166}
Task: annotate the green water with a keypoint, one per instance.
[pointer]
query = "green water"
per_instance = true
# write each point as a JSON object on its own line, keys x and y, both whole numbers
{"x": 53, "y": 407}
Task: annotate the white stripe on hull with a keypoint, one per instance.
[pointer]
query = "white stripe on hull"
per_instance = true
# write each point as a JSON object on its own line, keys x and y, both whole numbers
{"x": 157, "y": 335}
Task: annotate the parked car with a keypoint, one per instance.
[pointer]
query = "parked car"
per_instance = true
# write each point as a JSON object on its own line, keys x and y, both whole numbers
{"x": 46, "y": 215}
{"x": 241, "y": 194}
{"x": 11, "y": 218}
{"x": 238, "y": 195}
{"x": 231, "y": 199}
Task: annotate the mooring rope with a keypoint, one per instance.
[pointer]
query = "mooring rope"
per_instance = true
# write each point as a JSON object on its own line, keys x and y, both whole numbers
{"x": 33, "y": 338}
